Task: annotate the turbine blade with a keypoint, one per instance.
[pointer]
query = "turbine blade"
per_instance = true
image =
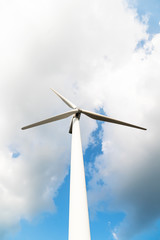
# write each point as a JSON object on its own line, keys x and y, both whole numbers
{"x": 100, "y": 117}
{"x": 66, "y": 101}
{"x": 71, "y": 126}
{"x": 52, "y": 119}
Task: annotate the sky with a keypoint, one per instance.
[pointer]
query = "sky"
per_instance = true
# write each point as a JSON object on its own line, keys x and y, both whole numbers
{"x": 104, "y": 56}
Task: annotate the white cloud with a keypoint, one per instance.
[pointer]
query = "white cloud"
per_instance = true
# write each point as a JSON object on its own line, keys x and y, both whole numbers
{"x": 80, "y": 49}
{"x": 130, "y": 163}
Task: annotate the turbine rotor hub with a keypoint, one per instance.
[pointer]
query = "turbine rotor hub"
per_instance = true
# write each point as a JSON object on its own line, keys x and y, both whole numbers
{"x": 78, "y": 114}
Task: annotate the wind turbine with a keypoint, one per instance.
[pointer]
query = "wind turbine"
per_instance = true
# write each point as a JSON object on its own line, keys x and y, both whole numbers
{"x": 79, "y": 228}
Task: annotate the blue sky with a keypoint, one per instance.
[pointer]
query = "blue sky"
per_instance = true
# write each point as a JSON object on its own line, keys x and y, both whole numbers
{"x": 88, "y": 52}
{"x": 151, "y": 9}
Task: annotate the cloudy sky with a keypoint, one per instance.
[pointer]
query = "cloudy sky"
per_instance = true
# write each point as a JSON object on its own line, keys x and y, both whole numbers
{"x": 104, "y": 56}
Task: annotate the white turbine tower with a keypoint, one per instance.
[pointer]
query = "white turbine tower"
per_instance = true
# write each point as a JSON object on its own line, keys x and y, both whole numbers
{"x": 79, "y": 228}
